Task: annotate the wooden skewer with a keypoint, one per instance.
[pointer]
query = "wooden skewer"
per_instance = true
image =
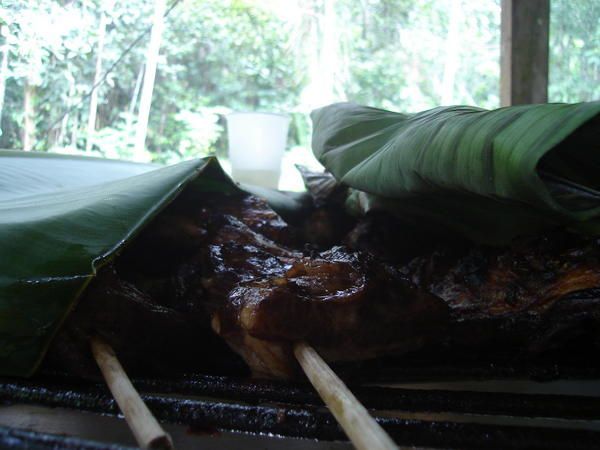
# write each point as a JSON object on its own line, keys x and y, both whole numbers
{"x": 361, "y": 428}
{"x": 147, "y": 431}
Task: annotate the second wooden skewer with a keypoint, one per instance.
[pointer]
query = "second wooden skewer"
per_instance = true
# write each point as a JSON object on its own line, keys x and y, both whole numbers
{"x": 364, "y": 432}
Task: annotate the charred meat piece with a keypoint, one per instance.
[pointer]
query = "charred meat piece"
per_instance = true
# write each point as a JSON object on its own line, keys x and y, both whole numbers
{"x": 230, "y": 264}
{"x": 458, "y": 302}
{"x": 347, "y": 305}
{"x": 149, "y": 304}
{"x": 153, "y": 304}
{"x": 529, "y": 275}
{"x": 149, "y": 337}
{"x": 235, "y": 252}
{"x": 252, "y": 211}
{"x": 264, "y": 296}
{"x": 530, "y": 299}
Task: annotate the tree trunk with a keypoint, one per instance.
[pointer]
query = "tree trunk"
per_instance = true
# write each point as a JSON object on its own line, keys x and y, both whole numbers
{"x": 136, "y": 91}
{"x": 329, "y": 52}
{"x": 64, "y": 123}
{"x": 134, "y": 99}
{"x": 148, "y": 87}
{"x": 3, "y": 75}
{"x": 28, "y": 116}
{"x": 452, "y": 54}
{"x": 91, "y": 126}
{"x": 75, "y": 130}
{"x": 327, "y": 70}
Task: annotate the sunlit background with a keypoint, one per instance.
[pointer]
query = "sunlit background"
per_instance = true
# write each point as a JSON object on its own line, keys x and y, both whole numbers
{"x": 291, "y": 56}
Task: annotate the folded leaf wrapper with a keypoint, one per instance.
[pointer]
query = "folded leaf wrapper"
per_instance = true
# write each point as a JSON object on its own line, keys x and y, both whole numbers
{"x": 489, "y": 175}
{"x": 61, "y": 219}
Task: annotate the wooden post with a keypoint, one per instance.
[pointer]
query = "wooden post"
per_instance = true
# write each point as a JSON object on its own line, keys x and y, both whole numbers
{"x": 524, "y": 52}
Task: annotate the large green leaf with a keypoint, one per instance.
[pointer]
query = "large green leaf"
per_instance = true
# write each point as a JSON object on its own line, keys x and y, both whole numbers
{"x": 61, "y": 218}
{"x": 489, "y": 175}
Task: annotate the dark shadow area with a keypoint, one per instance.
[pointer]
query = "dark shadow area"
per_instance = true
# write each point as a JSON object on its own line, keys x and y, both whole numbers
{"x": 570, "y": 170}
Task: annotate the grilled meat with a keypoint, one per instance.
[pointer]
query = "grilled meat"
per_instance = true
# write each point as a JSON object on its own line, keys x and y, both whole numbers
{"x": 149, "y": 336}
{"x": 149, "y": 305}
{"x": 532, "y": 299}
{"x": 232, "y": 265}
{"x": 264, "y": 296}
{"x": 347, "y": 305}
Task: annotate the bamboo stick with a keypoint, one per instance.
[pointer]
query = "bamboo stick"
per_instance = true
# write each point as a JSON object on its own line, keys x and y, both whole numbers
{"x": 361, "y": 428}
{"x": 147, "y": 431}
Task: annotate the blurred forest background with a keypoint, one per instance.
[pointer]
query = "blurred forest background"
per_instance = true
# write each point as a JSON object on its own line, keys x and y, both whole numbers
{"x": 291, "y": 56}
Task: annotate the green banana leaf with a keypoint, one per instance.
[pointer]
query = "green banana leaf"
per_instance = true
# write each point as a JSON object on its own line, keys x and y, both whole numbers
{"x": 489, "y": 175}
{"x": 61, "y": 219}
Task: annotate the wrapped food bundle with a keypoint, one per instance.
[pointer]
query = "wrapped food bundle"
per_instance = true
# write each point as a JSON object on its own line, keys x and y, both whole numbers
{"x": 455, "y": 233}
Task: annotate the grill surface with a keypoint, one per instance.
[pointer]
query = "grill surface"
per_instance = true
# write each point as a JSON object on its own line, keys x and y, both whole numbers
{"x": 19, "y": 439}
{"x": 204, "y": 402}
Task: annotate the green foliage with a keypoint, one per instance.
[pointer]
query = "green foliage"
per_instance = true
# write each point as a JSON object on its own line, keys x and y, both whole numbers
{"x": 238, "y": 59}
{"x": 197, "y": 132}
{"x": 398, "y": 51}
{"x": 574, "y": 51}
{"x": 222, "y": 55}
{"x": 117, "y": 141}
{"x": 216, "y": 56}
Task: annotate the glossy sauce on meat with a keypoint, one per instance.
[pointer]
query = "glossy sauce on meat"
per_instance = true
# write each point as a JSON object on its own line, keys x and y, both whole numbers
{"x": 230, "y": 267}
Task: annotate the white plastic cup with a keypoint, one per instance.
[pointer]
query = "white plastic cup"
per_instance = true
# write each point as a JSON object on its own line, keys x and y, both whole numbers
{"x": 257, "y": 141}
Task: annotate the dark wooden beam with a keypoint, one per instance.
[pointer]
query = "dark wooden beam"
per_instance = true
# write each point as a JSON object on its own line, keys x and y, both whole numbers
{"x": 524, "y": 52}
